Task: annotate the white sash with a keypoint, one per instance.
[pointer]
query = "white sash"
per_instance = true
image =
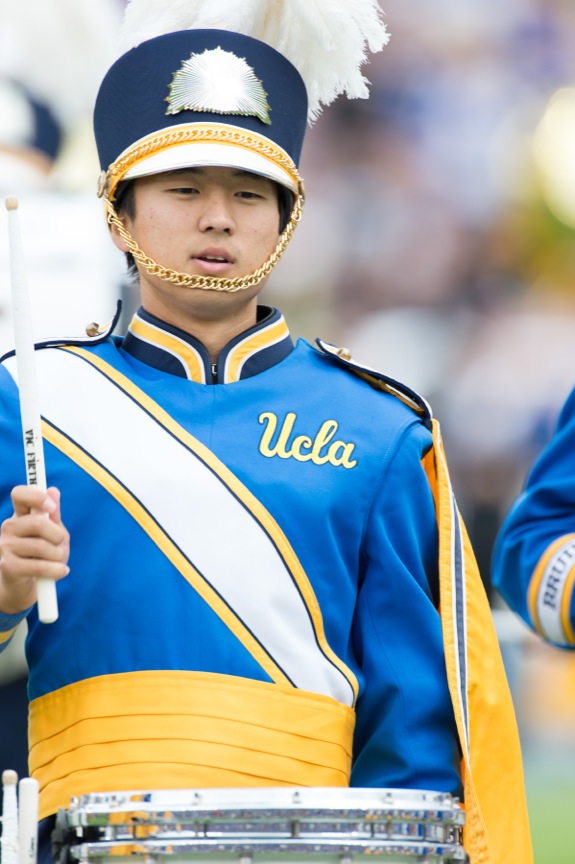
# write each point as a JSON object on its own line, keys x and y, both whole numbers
{"x": 231, "y": 542}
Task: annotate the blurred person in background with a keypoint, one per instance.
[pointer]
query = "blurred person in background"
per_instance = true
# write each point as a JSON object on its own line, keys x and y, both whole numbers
{"x": 534, "y": 555}
{"x": 533, "y": 561}
{"x": 51, "y": 62}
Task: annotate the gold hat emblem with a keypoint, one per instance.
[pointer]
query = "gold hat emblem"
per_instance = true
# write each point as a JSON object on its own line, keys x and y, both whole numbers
{"x": 217, "y": 81}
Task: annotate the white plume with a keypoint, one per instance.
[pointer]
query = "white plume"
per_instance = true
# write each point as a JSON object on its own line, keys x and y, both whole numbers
{"x": 328, "y": 41}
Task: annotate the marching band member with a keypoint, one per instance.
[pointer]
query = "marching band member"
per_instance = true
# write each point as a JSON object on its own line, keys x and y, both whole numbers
{"x": 267, "y": 579}
{"x": 534, "y": 554}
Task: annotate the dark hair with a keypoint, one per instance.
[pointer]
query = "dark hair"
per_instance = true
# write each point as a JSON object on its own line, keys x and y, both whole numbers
{"x": 285, "y": 204}
{"x": 125, "y": 203}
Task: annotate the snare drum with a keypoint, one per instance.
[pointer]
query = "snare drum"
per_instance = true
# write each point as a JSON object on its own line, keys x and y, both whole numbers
{"x": 263, "y": 826}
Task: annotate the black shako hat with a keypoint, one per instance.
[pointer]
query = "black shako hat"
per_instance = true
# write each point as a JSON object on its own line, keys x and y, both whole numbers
{"x": 196, "y": 98}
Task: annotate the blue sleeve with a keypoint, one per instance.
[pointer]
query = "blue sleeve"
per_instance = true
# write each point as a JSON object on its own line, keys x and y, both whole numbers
{"x": 405, "y": 731}
{"x": 534, "y": 554}
{"x": 8, "y": 624}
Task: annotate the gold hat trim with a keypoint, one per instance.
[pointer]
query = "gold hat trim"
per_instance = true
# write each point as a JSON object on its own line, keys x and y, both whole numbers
{"x": 190, "y": 133}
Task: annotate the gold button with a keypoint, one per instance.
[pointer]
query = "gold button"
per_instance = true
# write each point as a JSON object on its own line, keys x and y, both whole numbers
{"x": 93, "y": 329}
{"x": 344, "y": 353}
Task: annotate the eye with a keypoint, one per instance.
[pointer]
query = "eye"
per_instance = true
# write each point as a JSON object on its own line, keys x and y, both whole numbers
{"x": 183, "y": 190}
{"x": 249, "y": 195}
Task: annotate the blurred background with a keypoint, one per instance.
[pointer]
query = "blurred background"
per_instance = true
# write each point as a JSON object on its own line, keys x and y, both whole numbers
{"x": 438, "y": 244}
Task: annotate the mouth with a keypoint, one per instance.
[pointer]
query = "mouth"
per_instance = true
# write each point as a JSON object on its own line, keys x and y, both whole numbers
{"x": 212, "y": 262}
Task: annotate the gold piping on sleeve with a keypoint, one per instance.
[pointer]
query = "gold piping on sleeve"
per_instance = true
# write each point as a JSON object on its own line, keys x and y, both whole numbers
{"x": 537, "y": 578}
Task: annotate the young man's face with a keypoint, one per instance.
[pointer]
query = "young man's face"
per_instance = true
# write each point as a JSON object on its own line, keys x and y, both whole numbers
{"x": 211, "y": 221}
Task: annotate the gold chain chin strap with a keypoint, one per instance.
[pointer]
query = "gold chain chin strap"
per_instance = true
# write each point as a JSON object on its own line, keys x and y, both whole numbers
{"x": 208, "y": 283}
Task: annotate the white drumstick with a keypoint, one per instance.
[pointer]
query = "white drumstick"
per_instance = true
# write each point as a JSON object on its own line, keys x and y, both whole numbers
{"x": 31, "y": 423}
{"x": 9, "y": 839}
{"x": 28, "y": 820}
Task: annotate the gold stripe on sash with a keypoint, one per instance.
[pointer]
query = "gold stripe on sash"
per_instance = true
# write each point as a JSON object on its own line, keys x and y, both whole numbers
{"x": 169, "y": 729}
{"x": 252, "y": 504}
{"x": 167, "y": 546}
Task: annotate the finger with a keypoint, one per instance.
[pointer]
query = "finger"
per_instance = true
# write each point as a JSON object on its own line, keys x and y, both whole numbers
{"x": 38, "y": 548}
{"x": 52, "y": 504}
{"x": 34, "y": 568}
{"x": 35, "y": 524}
{"x": 27, "y": 498}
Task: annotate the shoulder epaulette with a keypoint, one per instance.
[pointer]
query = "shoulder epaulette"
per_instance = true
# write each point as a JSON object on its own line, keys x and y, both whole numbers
{"x": 93, "y": 335}
{"x": 378, "y": 380}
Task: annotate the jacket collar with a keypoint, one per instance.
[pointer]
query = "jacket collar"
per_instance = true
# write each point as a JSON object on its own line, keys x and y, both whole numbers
{"x": 171, "y": 350}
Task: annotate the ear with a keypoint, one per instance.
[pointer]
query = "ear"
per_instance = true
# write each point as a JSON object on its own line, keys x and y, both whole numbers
{"x": 118, "y": 239}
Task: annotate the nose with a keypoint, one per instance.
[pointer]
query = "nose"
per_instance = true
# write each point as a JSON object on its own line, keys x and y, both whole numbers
{"x": 216, "y": 213}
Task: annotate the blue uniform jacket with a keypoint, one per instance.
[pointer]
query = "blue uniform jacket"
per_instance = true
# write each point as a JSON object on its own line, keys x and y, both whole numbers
{"x": 330, "y": 473}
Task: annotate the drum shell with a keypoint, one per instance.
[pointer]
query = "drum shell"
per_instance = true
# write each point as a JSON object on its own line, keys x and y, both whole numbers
{"x": 263, "y": 826}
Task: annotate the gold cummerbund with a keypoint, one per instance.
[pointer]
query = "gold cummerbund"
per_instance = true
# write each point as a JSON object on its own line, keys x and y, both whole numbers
{"x": 179, "y": 730}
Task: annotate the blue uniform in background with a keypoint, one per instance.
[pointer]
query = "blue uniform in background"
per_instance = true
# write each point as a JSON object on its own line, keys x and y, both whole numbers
{"x": 534, "y": 555}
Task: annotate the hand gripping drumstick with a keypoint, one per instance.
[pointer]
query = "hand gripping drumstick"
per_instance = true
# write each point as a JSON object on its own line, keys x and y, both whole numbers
{"x": 31, "y": 423}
